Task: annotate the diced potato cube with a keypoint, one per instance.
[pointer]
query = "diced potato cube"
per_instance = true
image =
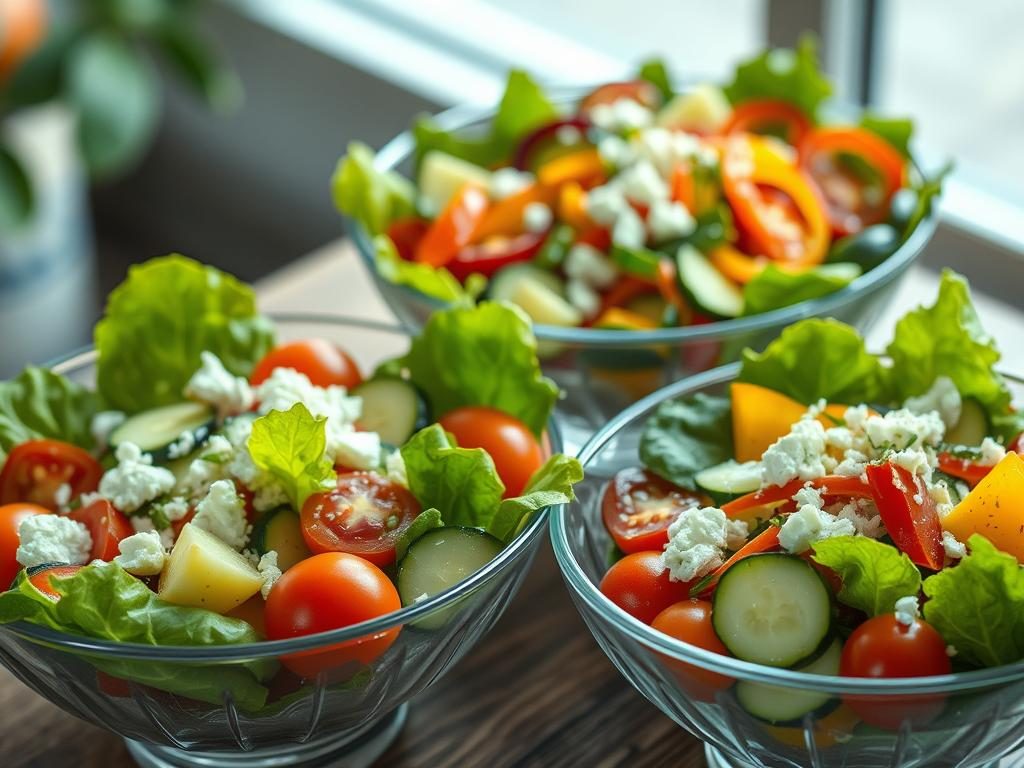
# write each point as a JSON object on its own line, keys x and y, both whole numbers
{"x": 204, "y": 572}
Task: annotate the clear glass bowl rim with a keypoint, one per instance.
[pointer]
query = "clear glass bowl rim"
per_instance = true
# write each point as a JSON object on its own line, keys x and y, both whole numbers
{"x": 400, "y": 148}
{"x": 519, "y": 547}
{"x": 620, "y": 621}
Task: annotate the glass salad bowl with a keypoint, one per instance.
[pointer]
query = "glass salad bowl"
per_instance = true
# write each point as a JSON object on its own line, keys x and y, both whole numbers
{"x": 245, "y": 709}
{"x": 963, "y": 719}
{"x": 602, "y": 371}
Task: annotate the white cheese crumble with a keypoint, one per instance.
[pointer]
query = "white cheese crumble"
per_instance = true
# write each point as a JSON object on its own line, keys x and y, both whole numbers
{"x": 141, "y": 554}
{"x": 268, "y": 569}
{"x": 183, "y": 446}
{"x": 588, "y": 265}
{"x": 736, "y": 534}
{"x": 697, "y": 541}
{"x": 863, "y": 514}
{"x": 811, "y": 523}
{"x": 267, "y": 491}
{"x": 215, "y": 385}
{"x": 615, "y": 151}
{"x": 642, "y": 183}
{"x": 668, "y": 220}
{"x": 143, "y": 524}
{"x": 52, "y": 539}
{"x": 907, "y": 610}
{"x": 62, "y": 495}
{"x": 800, "y": 454}
{"x": 629, "y": 230}
{"x": 621, "y": 115}
{"x": 222, "y": 513}
{"x": 953, "y": 547}
{"x": 604, "y": 204}
{"x": 583, "y": 297}
{"x": 358, "y": 450}
{"x": 394, "y": 465}
{"x": 506, "y": 182}
{"x": 991, "y": 452}
{"x": 102, "y": 424}
{"x": 943, "y": 397}
{"x": 568, "y": 134}
{"x": 134, "y": 481}
{"x": 537, "y": 217}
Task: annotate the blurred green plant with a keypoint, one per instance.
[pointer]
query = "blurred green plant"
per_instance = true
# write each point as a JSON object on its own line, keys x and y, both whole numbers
{"x": 99, "y": 61}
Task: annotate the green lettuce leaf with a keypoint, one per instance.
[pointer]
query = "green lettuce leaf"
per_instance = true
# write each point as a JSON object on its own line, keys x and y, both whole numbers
{"x": 39, "y": 403}
{"x": 425, "y": 521}
{"x": 814, "y": 359}
{"x": 947, "y": 339}
{"x": 927, "y": 190}
{"x": 371, "y": 197}
{"x": 978, "y": 605}
{"x": 291, "y": 446}
{"x": 161, "y": 318}
{"x": 436, "y": 282}
{"x": 773, "y": 288}
{"x": 461, "y": 482}
{"x": 783, "y": 74}
{"x": 687, "y": 435}
{"x": 875, "y": 575}
{"x": 896, "y": 130}
{"x": 551, "y": 484}
{"x": 655, "y": 72}
{"x": 103, "y": 601}
{"x": 483, "y": 355}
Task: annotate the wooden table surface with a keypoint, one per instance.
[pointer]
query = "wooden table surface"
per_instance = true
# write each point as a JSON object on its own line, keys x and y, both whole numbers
{"x": 537, "y": 692}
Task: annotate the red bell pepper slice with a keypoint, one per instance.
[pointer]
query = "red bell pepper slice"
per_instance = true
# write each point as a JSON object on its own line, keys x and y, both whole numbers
{"x": 969, "y": 471}
{"x": 406, "y": 235}
{"x": 766, "y": 541}
{"x": 454, "y": 229}
{"x": 493, "y": 254}
{"x": 769, "y": 116}
{"x": 908, "y": 512}
{"x": 830, "y": 486}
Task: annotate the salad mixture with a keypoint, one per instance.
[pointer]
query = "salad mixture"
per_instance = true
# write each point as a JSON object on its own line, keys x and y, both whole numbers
{"x": 219, "y": 487}
{"x": 838, "y": 512}
{"x": 642, "y": 207}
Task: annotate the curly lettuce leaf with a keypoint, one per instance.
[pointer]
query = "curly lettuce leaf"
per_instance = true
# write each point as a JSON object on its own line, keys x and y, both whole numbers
{"x": 816, "y": 359}
{"x": 436, "y": 282}
{"x": 371, "y": 197}
{"x": 978, "y": 605}
{"x": 783, "y": 74}
{"x": 483, "y": 355}
{"x": 874, "y": 575}
{"x": 773, "y": 288}
{"x": 897, "y": 131}
{"x": 655, "y": 72}
{"x": 927, "y": 189}
{"x": 161, "y": 318}
{"x": 39, "y": 403}
{"x": 687, "y": 435}
{"x": 291, "y": 446}
{"x": 550, "y": 485}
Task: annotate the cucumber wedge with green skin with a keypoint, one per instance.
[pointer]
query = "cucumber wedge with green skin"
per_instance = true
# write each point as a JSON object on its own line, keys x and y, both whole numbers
{"x": 773, "y": 609}
{"x": 972, "y": 427}
{"x": 730, "y": 479}
{"x": 393, "y": 408}
{"x": 782, "y": 706}
{"x": 168, "y": 432}
{"x": 707, "y": 288}
{"x": 280, "y": 530}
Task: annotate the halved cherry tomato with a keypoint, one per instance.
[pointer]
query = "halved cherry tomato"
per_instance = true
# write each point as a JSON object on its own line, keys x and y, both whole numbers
{"x": 638, "y": 506}
{"x": 454, "y": 229}
{"x": 406, "y": 235}
{"x": 766, "y": 541}
{"x": 106, "y": 525}
{"x": 768, "y": 116}
{"x": 882, "y": 647}
{"x": 908, "y": 513}
{"x": 36, "y": 469}
{"x": 969, "y": 471}
{"x": 830, "y": 486}
{"x": 330, "y": 591}
{"x": 640, "y": 91}
{"x": 41, "y": 578}
{"x": 11, "y": 516}
{"x": 639, "y": 584}
{"x": 690, "y": 621}
{"x": 493, "y": 254}
{"x": 364, "y": 515}
{"x": 516, "y": 452}
{"x": 539, "y": 144}
{"x": 849, "y": 200}
{"x": 323, "y": 363}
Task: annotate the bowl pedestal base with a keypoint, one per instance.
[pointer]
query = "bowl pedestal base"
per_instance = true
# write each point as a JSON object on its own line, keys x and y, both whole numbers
{"x": 716, "y": 759}
{"x": 358, "y": 750}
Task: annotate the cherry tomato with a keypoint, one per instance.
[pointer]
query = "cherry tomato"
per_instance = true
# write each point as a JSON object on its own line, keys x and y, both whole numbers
{"x": 11, "y": 516}
{"x": 36, "y": 469}
{"x": 455, "y": 228}
{"x": 638, "y": 507}
{"x": 639, "y": 585}
{"x": 882, "y": 647}
{"x": 516, "y": 452}
{"x": 494, "y": 253}
{"x": 323, "y": 363}
{"x": 908, "y": 512}
{"x": 768, "y": 116}
{"x": 640, "y": 91}
{"x": 364, "y": 515}
{"x": 41, "y": 578}
{"x": 106, "y": 525}
{"x": 325, "y": 592}
{"x": 690, "y": 621}
{"x": 406, "y": 235}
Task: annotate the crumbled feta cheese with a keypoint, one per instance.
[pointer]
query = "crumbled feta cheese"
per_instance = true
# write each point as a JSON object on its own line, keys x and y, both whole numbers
{"x": 568, "y": 134}
{"x": 907, "y": 610}
{"x": 854, "y": 464}
{"x": 736, "y": 534}
{"x": 537, "y": 217}
{"x": 864, "y": 515}
{"x": 583, "y": 297}
{"x": 215, "y": 385}
{"x": 134, "y": 480}
{"x": 810, "y": 524}
{"x": 505, "y": 182}
{"x": 943, "y": 397}
{"x": 102, "y": 424}
{"x": 939, "y": 492}
{"x": 800, "y": 454}
{"x": 62, "y": 495}
{"x": 183, "y": 446}
{"x": 141, "y": 554}
{"x": 668, "y": 220}
{"x": 394, "y": 465}
{"x": 175, "y": 509}
{"x": 991, "y": 452}
{"x": 222, "y": 513}
{"x": 902, "y": 429}
{"x": 144, "y": 524}
{"x": 951, "y": 651}
{"x": 267, "y": 491}
{"x": 954, "y": 548}
{"x": 621, "y": 115}
{"x": 358, "y": 450}
{"x": 604, "y": 204}
{"x": 588, "y": 265}
{"x": 809, "y": 495}
{"x": 52, "y": 539}
{"x": 615, "y": 151}
{"x": 268, "y": 569}
{"x": 629, "y": 230}
{"x": 642, "y": 183}
{"x": 697, "y": 540}
{"x": 665, "y": 149}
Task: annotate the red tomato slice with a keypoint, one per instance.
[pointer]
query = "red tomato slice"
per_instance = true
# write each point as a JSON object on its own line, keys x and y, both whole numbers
{"x": 322, "y": 362}
{"x": 106, "y": 525}
{"x": 406, "y": 235}
{"x": 638, "y": 507}
{"x": 494, "y": 253}
{"x": 365, "y": 515}
{"x": 41, "y": 578}
{"x": 908, "y": 513}
{"x": 768, "y": 116}
{"x": 35, "y": 469}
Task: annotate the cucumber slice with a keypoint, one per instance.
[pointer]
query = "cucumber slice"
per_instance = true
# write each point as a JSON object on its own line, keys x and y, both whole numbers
{"x": 280, "y": 530}
{"x": 705, "y": 286}
{"x": 538, "y": 293}
{"x": 730, "y": 479}
{"x": 162, "y": 431}
{"x": 442, "y": 175}
{"x": 393, "y": 408}
{"x": 778, "y": 705}
{"x": 772, "y": 609}
{"x": 972, "y": 427}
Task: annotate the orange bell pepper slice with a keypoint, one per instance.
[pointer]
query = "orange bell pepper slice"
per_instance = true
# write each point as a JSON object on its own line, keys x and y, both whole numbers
{"x": 766, "y": 541}
{"x": 572, "y": 206}
{"x": 681, "y": 187}
{"x": 505, "y": 217}
{"x": 584, "y": 167}
{"x": 737, "y": 266}
{"x": 455, "y": 228}
{"x": 669, "y": 290}
{"x": 767, "y": 115}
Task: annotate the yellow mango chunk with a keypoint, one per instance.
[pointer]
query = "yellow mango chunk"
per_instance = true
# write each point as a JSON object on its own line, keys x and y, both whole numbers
{"x": 995, "y": 508}
{"x": 204, "y": 572}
